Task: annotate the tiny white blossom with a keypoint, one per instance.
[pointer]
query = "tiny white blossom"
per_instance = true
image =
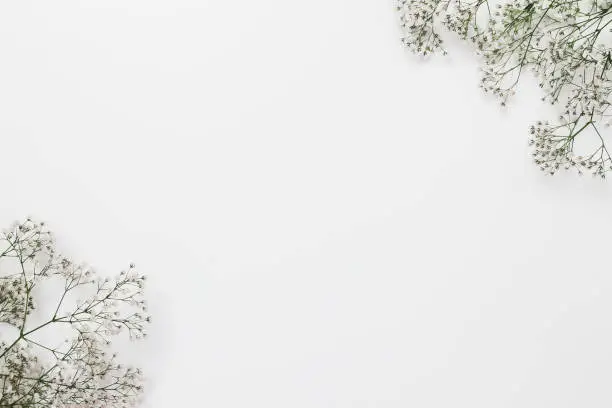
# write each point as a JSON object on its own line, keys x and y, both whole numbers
{"x": 79, "y": 372}
{"x": 562, "y": 42}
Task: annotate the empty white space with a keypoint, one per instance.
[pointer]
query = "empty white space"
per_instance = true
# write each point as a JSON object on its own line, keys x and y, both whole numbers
{"x": 326, "y": 220}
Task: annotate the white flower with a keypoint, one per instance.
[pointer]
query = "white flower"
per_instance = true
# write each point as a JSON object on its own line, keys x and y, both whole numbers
{"x": 559, "y": 41}
{"x": 80, "y": 371}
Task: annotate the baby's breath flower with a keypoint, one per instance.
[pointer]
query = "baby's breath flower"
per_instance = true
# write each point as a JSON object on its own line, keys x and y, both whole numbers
{"x": 80, "y": 372}
{"x": 564, "y": 43}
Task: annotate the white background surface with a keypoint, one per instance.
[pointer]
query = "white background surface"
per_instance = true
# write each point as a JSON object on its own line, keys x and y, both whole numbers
{"x": 326, "y": 221}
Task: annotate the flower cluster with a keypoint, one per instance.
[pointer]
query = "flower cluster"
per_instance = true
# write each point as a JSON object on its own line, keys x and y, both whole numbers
{"x": 81, "y": 371}
{"x": 563, "y": 42}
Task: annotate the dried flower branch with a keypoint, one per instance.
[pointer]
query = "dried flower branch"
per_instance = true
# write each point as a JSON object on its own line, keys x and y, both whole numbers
{"x": 80, "y": 371}
{"x": 564, "y": 42}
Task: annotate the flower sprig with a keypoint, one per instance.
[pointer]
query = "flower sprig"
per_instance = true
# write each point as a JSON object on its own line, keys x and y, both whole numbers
{"x": 565, "y": 43}
{"x": 81, "y": 371}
